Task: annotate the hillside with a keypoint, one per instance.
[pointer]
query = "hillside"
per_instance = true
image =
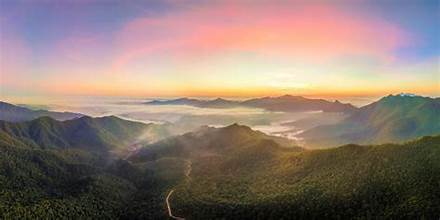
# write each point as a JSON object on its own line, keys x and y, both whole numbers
{"x": 286, "y": 103}
{"x": 13, "y": 113}
{"x": 349, "y": 182}
{"x": 208, "y": 141}
{"x": 94, "y": 134}
{"x": 394, "y": 118}
{"x": 51, "y": 169}
{"x": 216, "y": 173}
{"x": 76, "y": 184}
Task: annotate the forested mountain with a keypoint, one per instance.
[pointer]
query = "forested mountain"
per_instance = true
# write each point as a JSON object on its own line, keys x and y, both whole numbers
{"x": 51, "y": 170}
{"x": 211, "y": 141}
{"x": 349, "y": 182}
{"x": 216, "y": 173}
{"x": 76, "y": 184}
{"x": 13, "y": 113}
{"x": 286, "y": 103}
{"x": 394, "y": 118}
{"x": 93, "y": 134}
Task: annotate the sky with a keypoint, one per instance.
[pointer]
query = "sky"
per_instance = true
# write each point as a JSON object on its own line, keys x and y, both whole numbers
{"x": 238, "y": 48}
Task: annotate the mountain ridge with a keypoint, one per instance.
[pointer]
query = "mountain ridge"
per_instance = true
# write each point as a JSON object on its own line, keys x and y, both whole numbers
{"x": 393, "y": 118}
{"x": 210, "y": 141}
{"x": 101, "y": 134}
{"x": 287, "y": 103}
{"x": 15, "y": 113}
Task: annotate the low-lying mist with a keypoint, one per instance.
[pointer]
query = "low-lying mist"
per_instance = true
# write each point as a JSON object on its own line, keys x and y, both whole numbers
{"x": 187, "y": 118}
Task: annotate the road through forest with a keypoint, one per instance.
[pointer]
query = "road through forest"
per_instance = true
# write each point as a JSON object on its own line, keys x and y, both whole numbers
{"x": 187, "y": 173}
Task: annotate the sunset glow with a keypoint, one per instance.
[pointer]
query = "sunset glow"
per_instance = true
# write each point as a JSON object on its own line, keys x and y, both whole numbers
{"x": 180, "y": 48}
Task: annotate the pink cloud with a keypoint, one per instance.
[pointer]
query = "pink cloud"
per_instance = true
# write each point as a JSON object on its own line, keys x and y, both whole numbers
{"x": 313, "y": 32}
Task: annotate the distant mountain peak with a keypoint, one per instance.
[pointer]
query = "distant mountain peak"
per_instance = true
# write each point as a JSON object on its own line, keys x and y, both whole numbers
{"x": 236, "y": 128}
{"x": 402, "y": 94}
{"x": 287, "y": 96}
{"x": 219, "y": 100}
{"x": 236, "y": 125}
{"x": 402, "y": 97}
{"x": 407, "y": 95}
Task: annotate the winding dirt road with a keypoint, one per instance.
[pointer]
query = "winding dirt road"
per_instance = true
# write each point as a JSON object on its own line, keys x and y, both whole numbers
{"x": 187, "y": 173}
{"x": 169, "y": 207}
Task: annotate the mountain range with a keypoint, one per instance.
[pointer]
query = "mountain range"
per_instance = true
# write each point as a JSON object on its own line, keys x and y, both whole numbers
{"x": 14, "y": 113}
{"x": 348, "y": 182}
{"x": 237, "y": 173}
{"x": 113, "y": 168}
{"x": 212, "y": 173}
{"x": 286, "y": 103}
{"x": 394, "y": 118}
{"x": 53, "y": 169}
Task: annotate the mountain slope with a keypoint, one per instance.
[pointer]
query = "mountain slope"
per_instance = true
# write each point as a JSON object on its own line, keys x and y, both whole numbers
{"x": 220, "y": 173}
{"x": 13, "y": 113}
{"x": 51, "y": 170}
{"x": 208, "y": 141}
{"x": 75, "y": 184}
{"x": 284, "y": 103}
{"x": 95, "y": 134}
{"x": 349, "y": 182}
{"x": 391, "y": 119}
